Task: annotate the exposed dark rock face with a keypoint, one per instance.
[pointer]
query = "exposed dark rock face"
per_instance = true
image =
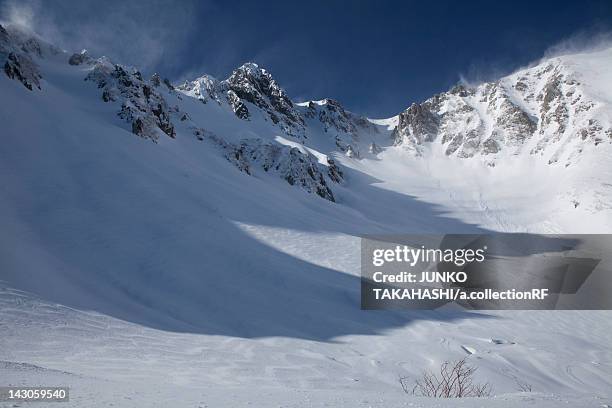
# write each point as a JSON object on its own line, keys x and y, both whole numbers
{"x": 4, "y": 36}
{"x": 346, "y": 127}
{"x": 332, "y": 115}
{"x": 32, "y": 47}
{"x": 238, "y": 107}
{"x": 142, "y": 104}
{"x": 80, "y": 58}
{"x": 255, "y": 85}
{"x": 250, "y": 84}
{"x": 23, "y": 69}
{"x": 418, "y": 124}
{"x": 17, "y": 54}
{"x": 251, "y": 91}
{"x": 553, "y": 112}
{"x": 461, "y": 91}
{"x": 535, "y": 109}
{"x": 541, "y": 109}
{"x": 155, "y": 80}
{"x": 374, "y": 148}
{"x": 289, "y": 163}
{"x": 169, "y": 85}
{"x": 334, "y": 172}
{"x": 517, "y": 124}
{"x": 593, "y": 130}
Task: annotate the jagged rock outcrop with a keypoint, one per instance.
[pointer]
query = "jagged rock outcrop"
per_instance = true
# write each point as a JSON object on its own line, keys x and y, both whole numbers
{"x": 250, "y": 84}
{"x": 237, "y": 105}
{"x": 346, "y": 127}
{"x": 544, "y": 110}
{"x": 417, "y": 125}
{"x": 334, "y": 171}
{"x": 332, "y": 115}
{"x": 292, "y": 165}
{"x": 539, "y": 110}
{"x": 4, "y": 37}
{"x": 142, "y": 105}
{"x": 23, "y": 69}
{"x": 296, "y": 167}
{"x": 155, "y": 80}
{"x": 255, "y": 85}
{"x": 251, "y": 90}
{"x": 374, "y": 148}
{"x": 205, "y": 88}
{"x": 16, "y": 56}
{"x": 80, "y": 58}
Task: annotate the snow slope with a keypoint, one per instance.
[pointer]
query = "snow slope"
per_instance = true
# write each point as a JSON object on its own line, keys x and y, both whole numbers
{"x": 180, "y": 268}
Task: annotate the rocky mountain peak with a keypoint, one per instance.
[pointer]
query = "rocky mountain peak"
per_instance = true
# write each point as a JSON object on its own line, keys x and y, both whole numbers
{"x": 251, "y": 70}
{"x": 142, "y": 104}
{"x": 346, "y": 127}
{"x": 252, "y": 84}
{"x": 80, "y": 58}
{"x": 18, "y": 52}
{"x": 4, "y": 36}
{"x": 544, "y": 110}
{"x": 205, "y": 88}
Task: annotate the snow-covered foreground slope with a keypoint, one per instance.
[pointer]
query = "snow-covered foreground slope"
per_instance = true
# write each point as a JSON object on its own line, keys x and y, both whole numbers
{"x": 564, "y": 357}
{"x": 205, "y": 263}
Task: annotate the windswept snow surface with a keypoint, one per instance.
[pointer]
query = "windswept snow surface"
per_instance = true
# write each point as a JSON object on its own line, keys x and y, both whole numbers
{"x": 158, "y": 274}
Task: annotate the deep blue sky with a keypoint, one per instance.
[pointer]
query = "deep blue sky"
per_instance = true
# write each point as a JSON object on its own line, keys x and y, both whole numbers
{"x": 376, "y": 57}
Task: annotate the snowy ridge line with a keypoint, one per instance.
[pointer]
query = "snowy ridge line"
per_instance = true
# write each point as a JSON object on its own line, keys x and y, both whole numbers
{"x": 548, "y": 110}
{"x": 544, "y": 110}
{"x": 181, "y": 268}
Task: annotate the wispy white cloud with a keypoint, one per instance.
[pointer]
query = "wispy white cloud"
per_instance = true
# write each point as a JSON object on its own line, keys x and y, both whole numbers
{"x": 582, "y": 41}
{"x": 21, "y": 14}
{"x": 137, "y": 33}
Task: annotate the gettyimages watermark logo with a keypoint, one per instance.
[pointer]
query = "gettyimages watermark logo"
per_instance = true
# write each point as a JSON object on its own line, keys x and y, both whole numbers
{"x": 498, "y": 271}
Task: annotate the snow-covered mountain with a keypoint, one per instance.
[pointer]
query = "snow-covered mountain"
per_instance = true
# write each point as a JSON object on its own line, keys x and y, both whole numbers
{"x": 198, "y": 243}
{"x": 555, "y": 109}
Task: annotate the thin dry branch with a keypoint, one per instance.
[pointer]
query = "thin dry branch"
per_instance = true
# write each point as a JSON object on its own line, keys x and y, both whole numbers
{"x": 454, "y": 380}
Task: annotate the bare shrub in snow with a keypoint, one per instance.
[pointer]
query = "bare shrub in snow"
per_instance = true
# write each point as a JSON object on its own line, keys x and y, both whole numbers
{"x": 523, "y": 386}
{"x": 454, "y": 380}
